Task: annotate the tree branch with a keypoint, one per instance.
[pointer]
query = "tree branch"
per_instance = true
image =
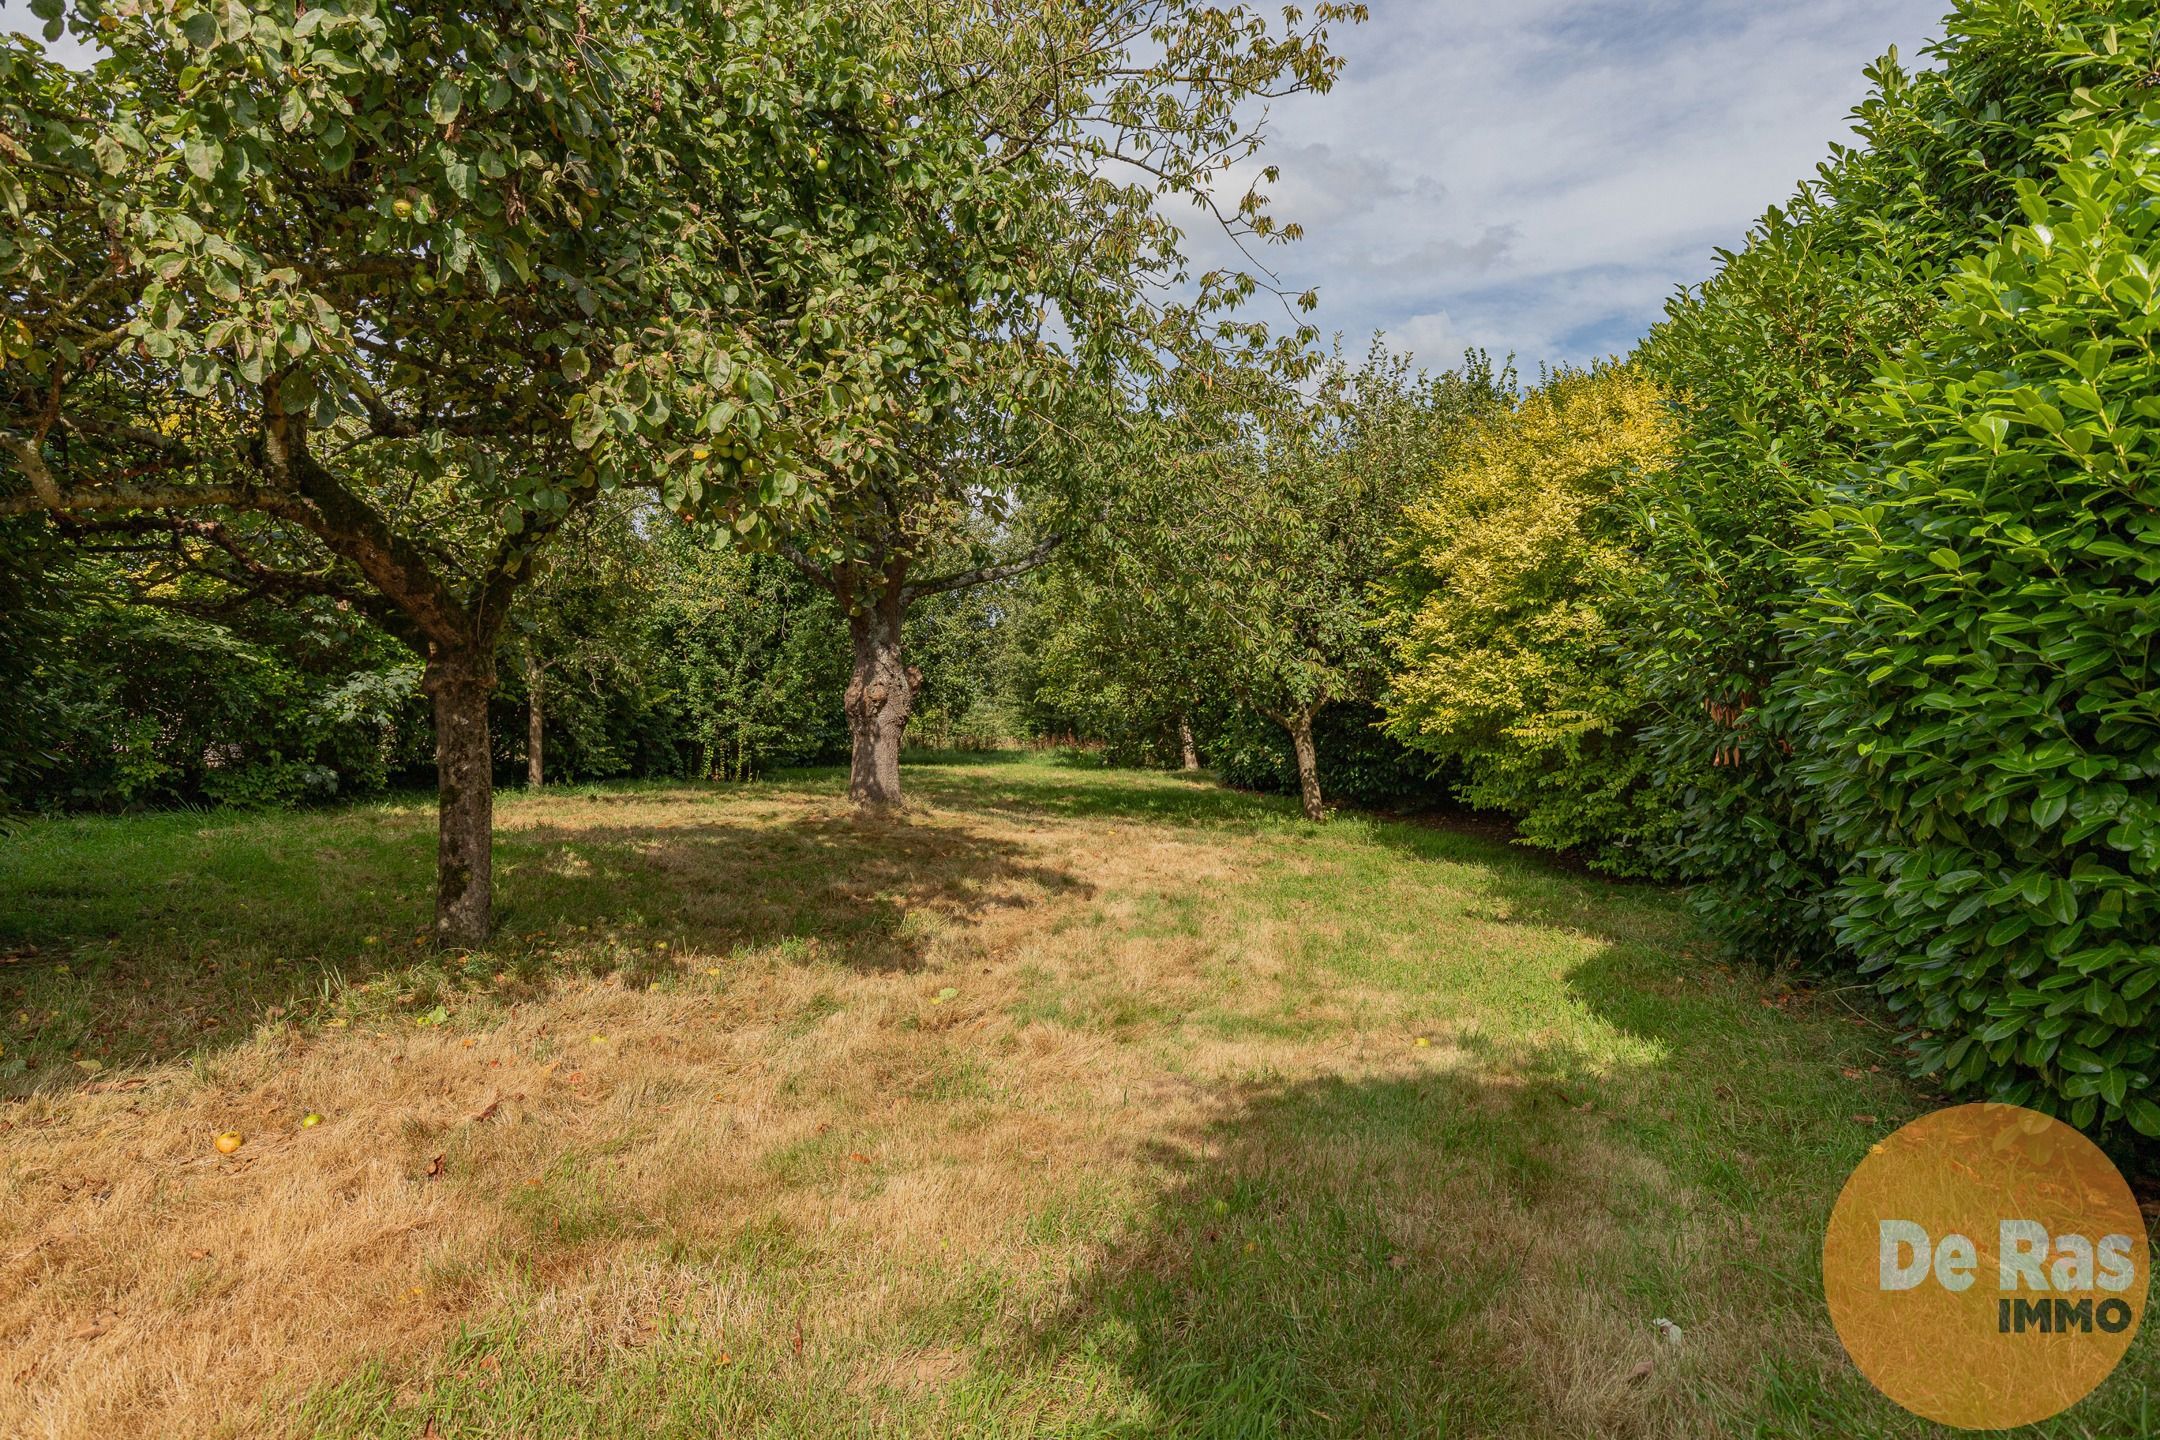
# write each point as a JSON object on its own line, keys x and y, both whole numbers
{"x": 46, "y": 494}
{"x": 823, "y": 579}
{"x": 1035, "y": 559}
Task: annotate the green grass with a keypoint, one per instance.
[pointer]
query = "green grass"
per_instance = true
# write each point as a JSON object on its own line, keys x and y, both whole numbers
{"x": 1170, "y": 1158}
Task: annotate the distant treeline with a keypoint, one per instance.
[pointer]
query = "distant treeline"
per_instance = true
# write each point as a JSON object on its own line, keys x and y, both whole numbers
{"x": 655, "y": 655}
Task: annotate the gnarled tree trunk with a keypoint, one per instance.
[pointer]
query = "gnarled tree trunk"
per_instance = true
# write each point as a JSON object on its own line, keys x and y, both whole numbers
{"x": 459, "y": 683}
{"x": 534, "y": 776}
{"x": 880, "y": 694}
{"x": 1186, "y": 743}
{"x": 1308, "y": 763}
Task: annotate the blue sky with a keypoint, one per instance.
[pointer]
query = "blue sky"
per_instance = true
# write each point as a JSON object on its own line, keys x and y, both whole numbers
{"x": 1536, "y": 176}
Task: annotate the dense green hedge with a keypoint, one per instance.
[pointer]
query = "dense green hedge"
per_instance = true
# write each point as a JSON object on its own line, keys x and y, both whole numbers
{"x": 1899, "y": 603}
{"x": 1983, "y": 697}
{"x": 1766, "y": 362}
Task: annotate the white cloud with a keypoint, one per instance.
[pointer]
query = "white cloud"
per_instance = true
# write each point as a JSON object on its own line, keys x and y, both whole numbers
{"x": 1433, "y": 336}
{"x": 1538, "y": 176}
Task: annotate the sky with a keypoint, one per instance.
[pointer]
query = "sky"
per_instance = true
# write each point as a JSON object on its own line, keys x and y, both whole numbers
{"x": 1535, "y": 177}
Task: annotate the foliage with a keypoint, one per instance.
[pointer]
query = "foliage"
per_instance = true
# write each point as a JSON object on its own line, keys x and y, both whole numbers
{"x": 689, "y": 658}
{"x": 548, "y": 253}
{"x": 751, "y": 663}
{"x": 1983, "y": 692}
{"x": 1514, "y": 585}
{"x": 959, "y": 640}
{"x": 1765, "y": 361}
{"x": 29, "y": 630}
{"x": 1366, "y": 766}
{"x": 1012, "y": 363}
{"x": 1098, "y": 654}
{"x": 138, "y": 705}
{"x": 393, "y": 294}
{"x": 1258, "y": 521}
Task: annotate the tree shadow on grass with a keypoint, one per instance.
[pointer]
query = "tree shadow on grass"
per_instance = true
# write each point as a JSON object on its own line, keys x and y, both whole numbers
{"x": 850, "y": 884}
{"x": 1519, "y": 884}
{"x": 1336, "y": 1257}
{"x": 139, "y": 940}
{"x": 1527, "y": 886}
{"x": 1477, "y": 1245}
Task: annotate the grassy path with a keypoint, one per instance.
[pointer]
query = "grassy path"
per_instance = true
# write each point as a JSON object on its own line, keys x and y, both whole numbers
{"x": 1079, "y": 1103}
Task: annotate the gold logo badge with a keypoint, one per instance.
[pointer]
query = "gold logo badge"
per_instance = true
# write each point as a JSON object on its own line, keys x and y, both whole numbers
{"x": 1986, "y": 1266}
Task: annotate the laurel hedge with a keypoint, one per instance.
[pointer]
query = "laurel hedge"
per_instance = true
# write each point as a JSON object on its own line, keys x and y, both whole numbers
{"x": 1982, "y": 632}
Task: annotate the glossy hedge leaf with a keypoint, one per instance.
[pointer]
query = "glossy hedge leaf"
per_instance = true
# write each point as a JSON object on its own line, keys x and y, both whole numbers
{"x": 1765, "y": 360}
{"x": 2050, "y": 707}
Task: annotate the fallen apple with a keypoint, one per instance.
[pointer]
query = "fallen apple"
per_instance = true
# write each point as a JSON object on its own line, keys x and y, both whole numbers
{"x": 228, "y": 1142}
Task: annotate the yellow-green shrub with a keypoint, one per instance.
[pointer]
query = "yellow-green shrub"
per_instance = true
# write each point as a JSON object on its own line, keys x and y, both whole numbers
{"x": 1516, "y": 576}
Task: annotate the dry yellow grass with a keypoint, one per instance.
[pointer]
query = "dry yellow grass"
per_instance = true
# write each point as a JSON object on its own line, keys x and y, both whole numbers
{"x": 976, "y": 1123}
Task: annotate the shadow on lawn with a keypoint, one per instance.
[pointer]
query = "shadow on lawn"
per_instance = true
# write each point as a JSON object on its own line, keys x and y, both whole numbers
{"x": 1335, "y": 1258}
{"x": 1479, "y": 1248}
{"x": 717, "y": 886}
{"x": 1089, "y": 792}
{"x": 1523, "y": 885}
{"x": 198, "y": 933}
{"x": 1480, "y": 1252}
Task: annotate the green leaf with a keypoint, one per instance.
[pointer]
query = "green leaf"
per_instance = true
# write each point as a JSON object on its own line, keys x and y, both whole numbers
{"x": 198, "y": 374}
{"x": 463, "y": 178}
{"x": 203, "y": 155}
{"x": 444, "y": 100}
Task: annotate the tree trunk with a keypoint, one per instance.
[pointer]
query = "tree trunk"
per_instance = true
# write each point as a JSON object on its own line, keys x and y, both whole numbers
{"x": 459, "y": 684}
{"x": 1308, "y": 764}
{"x": 879, "y": 696}
{"x": 1186, "y": 744}
{"x": 533, "y": 773}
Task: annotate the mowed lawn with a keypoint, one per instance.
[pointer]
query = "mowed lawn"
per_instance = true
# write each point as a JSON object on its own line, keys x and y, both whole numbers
{"x": 1076, "y": 1103}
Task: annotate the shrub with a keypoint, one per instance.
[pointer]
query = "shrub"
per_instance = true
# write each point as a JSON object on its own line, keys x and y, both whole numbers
{"x": 1984, "y": 686}
{"x": 1516, "y": 582}
{"x": 1765, "y": 362}
{"x": 137, "y": 705}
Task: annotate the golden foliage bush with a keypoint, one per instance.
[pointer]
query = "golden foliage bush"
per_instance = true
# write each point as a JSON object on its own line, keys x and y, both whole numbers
{"x": 1516, "y": 577}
